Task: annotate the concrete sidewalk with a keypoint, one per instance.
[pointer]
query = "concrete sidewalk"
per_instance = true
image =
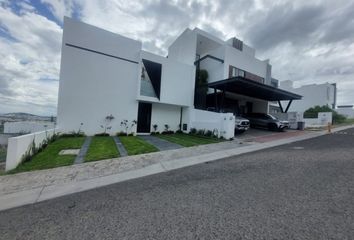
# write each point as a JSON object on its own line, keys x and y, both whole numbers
{"x": 36, "y": 186}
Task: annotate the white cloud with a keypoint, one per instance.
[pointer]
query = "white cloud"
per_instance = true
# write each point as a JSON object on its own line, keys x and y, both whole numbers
{"x": 34, "y": 54}
{"x": 60, "y": 8}
{"x": 300, "y": 46}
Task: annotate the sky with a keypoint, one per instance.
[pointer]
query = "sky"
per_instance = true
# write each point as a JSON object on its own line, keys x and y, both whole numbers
{"x": 306, "y": 41}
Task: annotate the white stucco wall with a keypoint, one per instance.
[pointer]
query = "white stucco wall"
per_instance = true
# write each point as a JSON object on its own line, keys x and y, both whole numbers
{"x": 93, "y": 86}
{"x": 313, "y": 95}
{"x": 322, "y": 120}
{"x": 27, "y": 127}
{"x": 243, "y": 61}
{"x": 223, "y": 122}
{"x": 215, "y": 68}
{"x": 183, "y": 49}
{"x": 162, "y": 114}
{"x": 18, "y": 146}
{"x": 177, "y": 80}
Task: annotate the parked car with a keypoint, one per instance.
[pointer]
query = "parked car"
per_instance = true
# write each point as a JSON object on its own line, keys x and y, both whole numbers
{"x": 267, "y": 121}
{"x": 241, "y": 124}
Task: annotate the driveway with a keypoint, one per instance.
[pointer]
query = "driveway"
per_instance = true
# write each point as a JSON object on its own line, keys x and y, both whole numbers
{"x": 297, "y": 191}
{"x": 264, "y": 135}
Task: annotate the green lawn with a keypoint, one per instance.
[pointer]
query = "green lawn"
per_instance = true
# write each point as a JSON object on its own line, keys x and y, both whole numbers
{"x": 50, "y": 158}
{"x": 101, "y": 148}
{"x": 187, "y": 140}
{"x": 135, "y": 145}
{"x": 344, "y": 123}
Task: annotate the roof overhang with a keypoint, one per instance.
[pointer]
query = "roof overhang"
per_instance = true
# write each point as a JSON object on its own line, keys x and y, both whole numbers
{"x": 250, "y": 88}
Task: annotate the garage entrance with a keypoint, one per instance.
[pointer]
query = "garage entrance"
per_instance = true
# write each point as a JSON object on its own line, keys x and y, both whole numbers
{"x": 229, "y": 92}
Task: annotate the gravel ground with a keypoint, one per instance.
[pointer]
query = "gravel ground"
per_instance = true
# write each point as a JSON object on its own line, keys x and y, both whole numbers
{"x": 303, "y": 190}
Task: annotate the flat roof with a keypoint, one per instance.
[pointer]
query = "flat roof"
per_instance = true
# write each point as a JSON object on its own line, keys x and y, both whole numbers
{"x": 250, "y": 88}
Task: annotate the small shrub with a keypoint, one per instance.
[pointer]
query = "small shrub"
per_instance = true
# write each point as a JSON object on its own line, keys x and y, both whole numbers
{"x": 200, "y": 132}
{"x": 179, "y": 131}
{"x": 131, "y": 134}
{"x": 208, "y": 133}
{"x": 167, "y": 127}
{"x": 73, "y": 134}
{"x": 215, "y": 133}
{"x": 193, "y": 131}
{"x": 168, "y": 132}
{"x": 104, "y": 134}
{"x": 121, "y": 133}
{"x": 155, "y": 126}
{"x": 125, "y": 124}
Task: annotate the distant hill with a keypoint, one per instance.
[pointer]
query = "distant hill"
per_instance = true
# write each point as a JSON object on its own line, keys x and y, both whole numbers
{"x": 21, "y": 116}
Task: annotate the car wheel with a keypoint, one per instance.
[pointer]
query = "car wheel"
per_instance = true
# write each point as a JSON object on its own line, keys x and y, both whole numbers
{"x": 282, "y": 129}
{"x": 272, "y": 126}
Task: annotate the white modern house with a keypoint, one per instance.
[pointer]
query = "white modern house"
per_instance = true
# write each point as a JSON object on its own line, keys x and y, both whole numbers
{"x": 313, "y": 95}
{"x": 106, "y": 78}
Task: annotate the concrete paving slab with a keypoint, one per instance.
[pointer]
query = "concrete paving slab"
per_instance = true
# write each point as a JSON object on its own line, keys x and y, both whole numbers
{"x": 69, "y": 152}
{"x": 159, "y": 143}
{"x": 122, "y": 151}
{"x": 80, "y": 157}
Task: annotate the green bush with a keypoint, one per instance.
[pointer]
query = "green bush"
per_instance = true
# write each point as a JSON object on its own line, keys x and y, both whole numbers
{"x": 208, "y": 133}
{"x": 104, "y": 134}
{"x": 313, "y": 113}
{"x": 121, "y": 133}
{"x": 201, "y": 132}
{"x": 193, "y": 131}
{"x": 73, "y": 134}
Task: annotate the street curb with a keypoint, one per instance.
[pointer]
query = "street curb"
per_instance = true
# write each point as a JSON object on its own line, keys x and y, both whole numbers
{"x": 35, "y": 195}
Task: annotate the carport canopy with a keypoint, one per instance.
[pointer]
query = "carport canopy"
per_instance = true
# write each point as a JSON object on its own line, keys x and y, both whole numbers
{"x": 250, "y": 88}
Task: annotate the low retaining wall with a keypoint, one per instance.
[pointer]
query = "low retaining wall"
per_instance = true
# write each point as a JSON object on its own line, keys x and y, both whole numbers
{"x": 223, "y": 122}
{"x": 18, "y": 146}
{"x": 322, "y": 119}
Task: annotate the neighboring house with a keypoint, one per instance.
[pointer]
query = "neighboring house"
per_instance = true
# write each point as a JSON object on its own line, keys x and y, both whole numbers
{"x": 346, "y": 110}
{"x": 105, "y": 74}
{"x": 313, "y": 95}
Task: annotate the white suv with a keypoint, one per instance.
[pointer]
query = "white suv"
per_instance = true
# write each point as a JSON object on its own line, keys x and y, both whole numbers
{"x": 241, "y": 124}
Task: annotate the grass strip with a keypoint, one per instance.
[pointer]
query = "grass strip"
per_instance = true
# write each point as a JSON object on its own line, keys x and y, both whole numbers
{"x": 135, "y": 145}
{"x": 101, "y": 148}
{"x": 187, "y": 140}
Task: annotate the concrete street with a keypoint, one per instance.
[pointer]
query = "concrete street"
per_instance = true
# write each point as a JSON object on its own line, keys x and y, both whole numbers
{"x": 303, "y": 190}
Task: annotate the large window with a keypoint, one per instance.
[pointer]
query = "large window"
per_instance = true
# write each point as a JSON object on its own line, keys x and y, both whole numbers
{"x": 150, "y": 79}
{"x": 236, "y": 72}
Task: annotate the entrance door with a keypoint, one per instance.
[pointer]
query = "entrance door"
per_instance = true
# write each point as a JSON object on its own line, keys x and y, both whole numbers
{"x": 144, "y": 117}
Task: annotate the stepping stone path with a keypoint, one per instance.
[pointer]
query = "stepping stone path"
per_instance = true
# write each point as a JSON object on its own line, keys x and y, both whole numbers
{"x": 159, "y": 143}
{"x": 80, "y": 157}
{"x": 122, "y": 151}
{"x": 69, "y": 152}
